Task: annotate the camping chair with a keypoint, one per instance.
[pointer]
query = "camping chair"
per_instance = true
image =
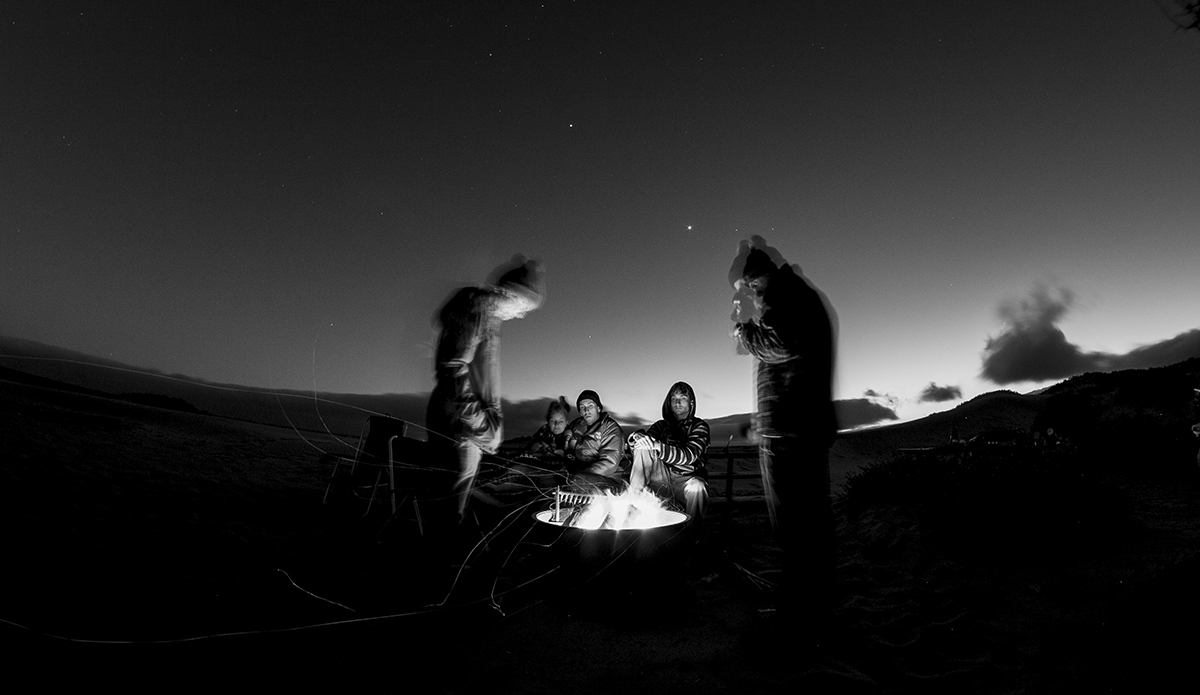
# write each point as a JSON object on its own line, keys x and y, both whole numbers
{"x": 400, "y": 465}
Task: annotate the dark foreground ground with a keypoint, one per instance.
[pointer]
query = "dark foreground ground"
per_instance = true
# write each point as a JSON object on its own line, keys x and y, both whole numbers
{"x": 142, "y": 543}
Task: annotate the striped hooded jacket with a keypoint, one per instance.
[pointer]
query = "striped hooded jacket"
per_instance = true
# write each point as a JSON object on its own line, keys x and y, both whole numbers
{"x": 683, "y": 443}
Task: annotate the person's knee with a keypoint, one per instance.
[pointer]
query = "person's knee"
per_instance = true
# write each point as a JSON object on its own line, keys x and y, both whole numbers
{"x": 695, "y": 496}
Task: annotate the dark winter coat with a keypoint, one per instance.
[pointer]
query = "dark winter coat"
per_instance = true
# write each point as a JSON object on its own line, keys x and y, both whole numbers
{"x": 794, "y": 344}
{"x": 597, "y": 449}
{"x": 545, "y": 442}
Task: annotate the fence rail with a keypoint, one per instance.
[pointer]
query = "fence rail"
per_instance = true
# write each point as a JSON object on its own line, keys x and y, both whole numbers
{"x": 730, "y": 456}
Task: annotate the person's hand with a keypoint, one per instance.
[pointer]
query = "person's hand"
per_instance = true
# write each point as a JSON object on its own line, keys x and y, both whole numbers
{"x": 641, "y": 441}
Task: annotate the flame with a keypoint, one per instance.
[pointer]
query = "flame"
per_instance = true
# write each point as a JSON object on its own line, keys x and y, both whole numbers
{"x": 632, "y": 509}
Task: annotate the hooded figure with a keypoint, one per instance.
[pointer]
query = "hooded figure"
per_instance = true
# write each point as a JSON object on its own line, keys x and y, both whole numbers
{"x": 792, "y": 340}
{"x": 672, "y": 456}
{"x": 794, "y": 344}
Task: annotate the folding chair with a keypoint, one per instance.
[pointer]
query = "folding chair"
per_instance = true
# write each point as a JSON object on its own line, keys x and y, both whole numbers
{"x": 400, "y": 464}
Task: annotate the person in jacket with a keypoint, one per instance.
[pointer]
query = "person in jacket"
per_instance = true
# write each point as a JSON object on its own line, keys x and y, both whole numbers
{"x": 671, "y": 457}
{"x": 792, "y": 341}
{"x": 595, "y": 446}
{"x": 550, "y": 441}
{"x": 539, "y": 467}
{"x": 463, "y": 416}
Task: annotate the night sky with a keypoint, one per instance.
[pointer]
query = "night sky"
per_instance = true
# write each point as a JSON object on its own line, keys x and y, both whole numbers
{"x": 990, "y": 194}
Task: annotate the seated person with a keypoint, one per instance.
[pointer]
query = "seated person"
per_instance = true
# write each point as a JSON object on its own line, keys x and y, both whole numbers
{"x": 670, "y": 458}
{"x": 549, "y": 443}
{"x": 539, "y": 466}
{"x": 595, "y": 445}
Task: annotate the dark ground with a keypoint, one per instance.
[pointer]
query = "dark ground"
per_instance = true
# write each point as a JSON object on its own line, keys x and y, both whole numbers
{"x": 142, "y": 542}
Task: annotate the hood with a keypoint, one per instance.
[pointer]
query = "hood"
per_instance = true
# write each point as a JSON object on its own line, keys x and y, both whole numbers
{"x": 667, "y": 413}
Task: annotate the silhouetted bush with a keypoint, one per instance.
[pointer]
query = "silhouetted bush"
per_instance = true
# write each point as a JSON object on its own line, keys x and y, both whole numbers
{"x": 994, "y": 499}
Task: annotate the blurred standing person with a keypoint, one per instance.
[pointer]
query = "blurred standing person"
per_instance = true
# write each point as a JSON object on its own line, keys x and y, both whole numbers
{"x": 793, "y": 342}
{"x": 463, "y": 415}
{"x": 1196, "y": 427}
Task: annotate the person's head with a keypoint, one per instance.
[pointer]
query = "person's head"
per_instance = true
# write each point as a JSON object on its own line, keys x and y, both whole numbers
{"x": 520, "y": 291}
{"x": 556, "y": 415}
{"x": 757, "y": 272}
{"x": 511, "y": 306}
{"x": 681, "y": 402}
{"x": 589, "y": 406}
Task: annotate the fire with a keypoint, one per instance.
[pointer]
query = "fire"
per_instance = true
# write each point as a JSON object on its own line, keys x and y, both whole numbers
{"x": 632, "y": 509}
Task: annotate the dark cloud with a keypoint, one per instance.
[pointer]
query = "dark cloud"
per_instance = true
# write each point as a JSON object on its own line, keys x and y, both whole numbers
{"x": 630, "y": 420}
{"x": 939, "y": 394}
{"x": 888, "y": 399}
{"x": 1033, "y": 348}
{"x": 1182, "y": 347}
{"x": 857, "y": 412}
{"x": 523, "y": 418}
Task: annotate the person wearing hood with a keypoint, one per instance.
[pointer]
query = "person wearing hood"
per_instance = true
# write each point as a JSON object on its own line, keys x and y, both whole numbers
{"x": 793, "y": 342}
{"x": 595, "y": 445}
{"x": 463, "y": 416}
{"x": 671, "y": 458}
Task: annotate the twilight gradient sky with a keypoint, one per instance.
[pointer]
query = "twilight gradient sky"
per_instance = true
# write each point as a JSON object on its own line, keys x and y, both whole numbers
{"x": 282, "y": 196}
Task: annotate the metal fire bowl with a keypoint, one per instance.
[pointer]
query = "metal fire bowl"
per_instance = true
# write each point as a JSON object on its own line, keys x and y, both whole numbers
{"x": 612, "y": 546}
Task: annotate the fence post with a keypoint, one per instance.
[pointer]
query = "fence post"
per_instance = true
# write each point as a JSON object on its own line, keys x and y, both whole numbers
{"x": 728, "y": 475}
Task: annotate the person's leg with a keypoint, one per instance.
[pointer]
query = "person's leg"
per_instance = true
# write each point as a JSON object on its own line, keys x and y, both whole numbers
{"x": 642, "y": 470}
{"x": 805, "y": 525}
{"x": 767, "y": 455}
{"x": 469, "y": 456}
{"x": 692, "y": 493}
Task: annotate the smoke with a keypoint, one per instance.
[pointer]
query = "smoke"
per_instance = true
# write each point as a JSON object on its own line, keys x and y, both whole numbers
{"x": 939, "y": 394}
{"x": 1033, "y": 348}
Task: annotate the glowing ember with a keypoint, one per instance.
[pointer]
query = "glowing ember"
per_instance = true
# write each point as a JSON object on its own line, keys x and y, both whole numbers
{"x": 639, "y": 509}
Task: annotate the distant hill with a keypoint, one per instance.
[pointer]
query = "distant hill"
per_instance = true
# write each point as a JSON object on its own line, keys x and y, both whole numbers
{"x": 343, "y": 414}
{"x": 1133, "y": 411}
{"x": 1139, "y": 419}
{"x": 997, "y": 410}
{"x": 1135, "y": 414}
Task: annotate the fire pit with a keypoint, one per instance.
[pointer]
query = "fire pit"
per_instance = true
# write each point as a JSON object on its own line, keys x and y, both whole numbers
{"x": 608, "y": 533}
